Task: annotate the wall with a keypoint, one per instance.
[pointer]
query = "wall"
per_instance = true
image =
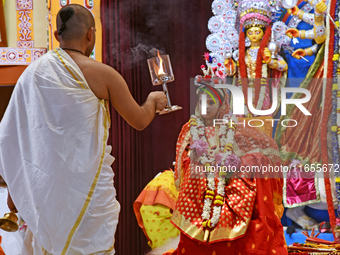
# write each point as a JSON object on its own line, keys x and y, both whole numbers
{"x": 6, "y": 93}
{"x": 10, "y": 20}
{"x": 39, "y": 23}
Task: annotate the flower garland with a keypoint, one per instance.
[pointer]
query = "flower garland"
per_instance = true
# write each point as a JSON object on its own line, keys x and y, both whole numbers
{"x": 262, "y": 90}
{"x": 336, "y": 102}
{"x": 226, "y": 135}
{"x": 263, "y": 86}
{"x": 214, "y": 197}
{"x": 210, "y": 199}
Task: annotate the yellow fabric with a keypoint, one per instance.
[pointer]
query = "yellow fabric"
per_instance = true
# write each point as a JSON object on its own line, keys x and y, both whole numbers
{"x": 153, "y": 209}
{"x": 279, "y": 209}
{"x": 166, "y": 182}
{"x": 156, "y": 219}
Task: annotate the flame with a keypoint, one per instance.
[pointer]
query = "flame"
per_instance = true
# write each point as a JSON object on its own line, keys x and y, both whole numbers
{"x": 160, "y": 71}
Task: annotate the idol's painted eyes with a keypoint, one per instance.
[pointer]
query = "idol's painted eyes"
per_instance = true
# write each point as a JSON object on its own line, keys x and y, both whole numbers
{"x": 256, "y": 32}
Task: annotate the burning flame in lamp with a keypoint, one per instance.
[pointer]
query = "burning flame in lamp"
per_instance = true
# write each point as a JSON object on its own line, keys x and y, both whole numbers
{"x": 161, "y": 74}
{"x": 160, "y": 71}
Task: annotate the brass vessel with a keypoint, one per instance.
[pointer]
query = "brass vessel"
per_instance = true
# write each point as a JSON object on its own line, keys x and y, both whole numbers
{"x": 9, "y": 222}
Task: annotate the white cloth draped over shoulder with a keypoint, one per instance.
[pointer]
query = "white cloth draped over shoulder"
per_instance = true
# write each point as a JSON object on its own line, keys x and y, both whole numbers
{"x": 54, "y": 158}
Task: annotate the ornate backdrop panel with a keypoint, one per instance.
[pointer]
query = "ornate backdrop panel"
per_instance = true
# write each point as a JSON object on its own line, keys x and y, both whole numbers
{"x": 180, "y": 28}
{"x": 93, "y": 6}
{"x": 24, "y": 52}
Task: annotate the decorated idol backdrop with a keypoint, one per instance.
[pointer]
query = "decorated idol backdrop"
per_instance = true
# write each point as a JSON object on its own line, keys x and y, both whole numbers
{"x": 263, "y": 45}
{"x": 285, "y": 48}
{"x": 278, "y": 45}
{"x": 277, "y": 48}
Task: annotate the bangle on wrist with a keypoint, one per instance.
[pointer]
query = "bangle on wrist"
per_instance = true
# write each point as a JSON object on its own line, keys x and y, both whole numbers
{"x": 303, "y": 34}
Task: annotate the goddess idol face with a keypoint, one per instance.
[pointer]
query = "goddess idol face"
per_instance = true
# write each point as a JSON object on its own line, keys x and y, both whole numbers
{"x": 255, "y": 35}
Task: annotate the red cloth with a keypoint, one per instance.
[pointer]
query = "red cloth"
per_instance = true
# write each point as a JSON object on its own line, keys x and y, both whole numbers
{"x": 1, "y": 250}
{"x": 264, "y": 232}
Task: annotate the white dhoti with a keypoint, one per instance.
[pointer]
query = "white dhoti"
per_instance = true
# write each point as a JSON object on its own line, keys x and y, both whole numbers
{"x": 54, "y": 158}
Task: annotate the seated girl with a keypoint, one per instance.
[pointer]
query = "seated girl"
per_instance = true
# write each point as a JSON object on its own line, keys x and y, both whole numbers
{"x": 221, "y": 208}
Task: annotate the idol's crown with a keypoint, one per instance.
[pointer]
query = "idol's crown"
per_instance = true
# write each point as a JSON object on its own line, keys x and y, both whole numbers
{"x": 254, "y": 13}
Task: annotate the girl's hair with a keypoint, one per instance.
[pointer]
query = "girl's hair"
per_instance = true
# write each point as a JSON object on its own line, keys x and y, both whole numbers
{"x": 220, "y": 95}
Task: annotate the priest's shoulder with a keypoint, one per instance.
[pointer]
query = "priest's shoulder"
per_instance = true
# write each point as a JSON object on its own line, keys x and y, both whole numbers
{"x": 32, "y": 68}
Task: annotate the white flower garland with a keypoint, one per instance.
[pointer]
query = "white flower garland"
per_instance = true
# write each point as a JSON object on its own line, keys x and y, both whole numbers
{"x": 226, "y": 135}
{"x": 263, "y": 88}
{"x": 198, "y": 133}
{"x": 262, "y": 91}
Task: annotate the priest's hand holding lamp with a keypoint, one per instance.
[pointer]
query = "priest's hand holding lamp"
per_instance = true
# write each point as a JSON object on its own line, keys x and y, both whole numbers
{"x": 161, "y": 73}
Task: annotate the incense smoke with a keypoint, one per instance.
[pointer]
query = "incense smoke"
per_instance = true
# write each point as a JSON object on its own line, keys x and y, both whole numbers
{"x": 147, "y": 24}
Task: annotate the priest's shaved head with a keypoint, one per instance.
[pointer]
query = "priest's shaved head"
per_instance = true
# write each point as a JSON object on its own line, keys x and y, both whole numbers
{"x": 76, "y": 29}
{"x": 73, "y": 21}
